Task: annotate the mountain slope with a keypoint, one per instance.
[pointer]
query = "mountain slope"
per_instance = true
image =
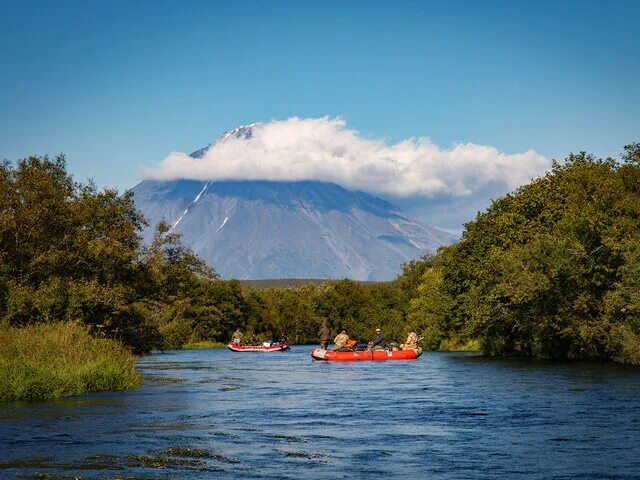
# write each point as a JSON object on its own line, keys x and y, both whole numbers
{"x": 254, "y": 229}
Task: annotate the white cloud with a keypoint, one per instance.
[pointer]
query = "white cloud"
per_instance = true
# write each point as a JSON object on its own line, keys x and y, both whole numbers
{"x": 326, "y": 149}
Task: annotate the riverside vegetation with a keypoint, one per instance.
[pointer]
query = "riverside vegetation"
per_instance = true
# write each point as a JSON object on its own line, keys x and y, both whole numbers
{"x": 60, "y": 359}
{"x": 551, "y": 270}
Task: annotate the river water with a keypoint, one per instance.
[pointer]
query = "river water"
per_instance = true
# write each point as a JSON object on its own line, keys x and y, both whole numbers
{"x": 219, "y": 414}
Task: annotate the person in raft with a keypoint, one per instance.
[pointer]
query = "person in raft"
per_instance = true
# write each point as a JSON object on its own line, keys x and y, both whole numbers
{"x": 237, "y": 337}
{"x": 411, "y": 343}
{"x": 325, "y": 335}
{"x": 378, "y": 343}
{"x": 341, "y": 340}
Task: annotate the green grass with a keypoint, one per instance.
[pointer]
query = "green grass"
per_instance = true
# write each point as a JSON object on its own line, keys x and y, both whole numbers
{"x": 472, "y": 345}
{"x": 56, "y": 360}
{"x": 203, "y": 344}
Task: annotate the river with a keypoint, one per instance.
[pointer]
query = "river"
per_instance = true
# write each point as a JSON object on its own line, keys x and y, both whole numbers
{"x": 218, "y": 414}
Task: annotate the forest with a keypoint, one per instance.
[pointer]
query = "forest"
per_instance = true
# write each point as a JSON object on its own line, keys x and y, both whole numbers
{"x": 551, "y": 270}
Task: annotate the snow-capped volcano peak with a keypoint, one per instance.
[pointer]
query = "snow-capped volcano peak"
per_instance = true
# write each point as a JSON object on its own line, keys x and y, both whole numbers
{"x": 243, "y": 132}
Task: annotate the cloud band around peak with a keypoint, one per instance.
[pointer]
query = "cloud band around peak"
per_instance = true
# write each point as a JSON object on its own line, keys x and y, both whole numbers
{"x": 325, "y": 149}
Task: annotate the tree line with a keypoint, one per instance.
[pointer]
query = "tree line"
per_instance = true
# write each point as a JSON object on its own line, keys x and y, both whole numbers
{"x": 551, "y": 270}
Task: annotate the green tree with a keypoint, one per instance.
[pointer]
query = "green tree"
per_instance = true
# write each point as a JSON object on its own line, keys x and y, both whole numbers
{"x": 549, "y": 270}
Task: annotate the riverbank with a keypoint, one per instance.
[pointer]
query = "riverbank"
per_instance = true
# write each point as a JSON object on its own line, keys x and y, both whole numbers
{"x": 203, "y": 345}
{"x": 472, "y": 345}
{"x": 43, "y": 362}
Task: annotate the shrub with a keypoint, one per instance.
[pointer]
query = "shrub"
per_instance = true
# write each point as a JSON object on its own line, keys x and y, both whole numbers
{"x": 176, "y": 333}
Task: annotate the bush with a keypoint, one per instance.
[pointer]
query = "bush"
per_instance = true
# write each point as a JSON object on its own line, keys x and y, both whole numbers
{"x": 203, "y": 345}
{"x": 55, "y": 360}
{"x": 175, "y": 334}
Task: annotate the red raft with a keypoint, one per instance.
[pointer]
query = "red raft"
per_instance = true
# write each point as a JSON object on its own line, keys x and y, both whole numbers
{"x": 276, "y": 347}
{"x": 375, "y": 355}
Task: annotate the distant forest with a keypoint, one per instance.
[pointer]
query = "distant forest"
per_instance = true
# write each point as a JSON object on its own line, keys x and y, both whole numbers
{"x": 551, "y": 270}
{"x": 291, "y": 282}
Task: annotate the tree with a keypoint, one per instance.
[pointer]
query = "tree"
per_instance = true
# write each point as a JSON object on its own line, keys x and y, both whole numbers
{"x": 549, "y": 270}
{"x": 71, "y": 252}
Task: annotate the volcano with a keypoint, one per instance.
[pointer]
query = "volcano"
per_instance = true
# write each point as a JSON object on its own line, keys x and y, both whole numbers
{"x": 273, "y": 229}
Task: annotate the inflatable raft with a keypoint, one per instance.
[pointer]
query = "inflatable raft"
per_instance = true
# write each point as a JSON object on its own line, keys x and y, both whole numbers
{"x": 276, "y": 347}
{"x": 360, "y": 356}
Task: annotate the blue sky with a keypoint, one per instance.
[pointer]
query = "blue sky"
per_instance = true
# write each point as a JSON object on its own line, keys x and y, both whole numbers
{"x": 118, "y": 85}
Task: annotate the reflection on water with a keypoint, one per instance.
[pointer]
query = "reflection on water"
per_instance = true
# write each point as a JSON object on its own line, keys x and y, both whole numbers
{"x": 214, "y": 413}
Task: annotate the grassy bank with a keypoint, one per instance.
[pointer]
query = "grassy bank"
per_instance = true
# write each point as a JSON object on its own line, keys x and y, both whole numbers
{"x": 61, "y": 359}
{"x": 472, "y": 345}
{"x": 203, "y": 344}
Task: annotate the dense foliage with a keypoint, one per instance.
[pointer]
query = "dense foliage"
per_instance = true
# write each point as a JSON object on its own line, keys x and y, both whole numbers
{"x": 551, "y": 270}
{"x": 343, "y": 304}
{"x": 69, "y": 252}
{"x": 297, "y": 313}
